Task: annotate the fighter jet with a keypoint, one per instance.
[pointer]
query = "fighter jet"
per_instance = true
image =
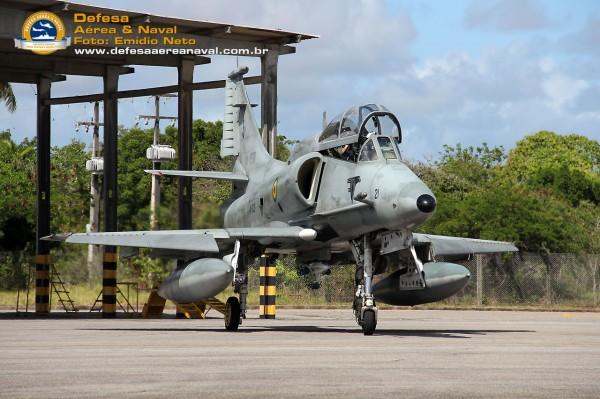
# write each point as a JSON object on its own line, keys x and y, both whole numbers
{"x": 345, "y": 196}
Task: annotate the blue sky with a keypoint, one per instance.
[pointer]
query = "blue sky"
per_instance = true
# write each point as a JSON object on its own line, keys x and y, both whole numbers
{"x": 445, "y": 25}
{"x": 453, "y": 71}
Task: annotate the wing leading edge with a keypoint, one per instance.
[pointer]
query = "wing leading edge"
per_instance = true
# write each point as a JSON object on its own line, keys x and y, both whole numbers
{"x": 444, "y": 245}
{"x": 207, "y": 240}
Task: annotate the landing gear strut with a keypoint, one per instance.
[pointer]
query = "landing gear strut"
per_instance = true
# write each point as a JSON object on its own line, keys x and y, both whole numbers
{"x": 364, "y": 306}
{"x": 235, "y": 310}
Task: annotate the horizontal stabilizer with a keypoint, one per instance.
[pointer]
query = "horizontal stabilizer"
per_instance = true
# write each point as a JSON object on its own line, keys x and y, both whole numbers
{"x": 236, "y": 177}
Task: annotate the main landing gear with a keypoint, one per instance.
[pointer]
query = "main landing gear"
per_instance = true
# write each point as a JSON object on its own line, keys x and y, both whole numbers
{"x": 235, "y": 309}
{"x": 364, "y": 306}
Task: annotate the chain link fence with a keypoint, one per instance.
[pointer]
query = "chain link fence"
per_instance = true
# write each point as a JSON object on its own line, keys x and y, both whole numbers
{"x": 532, "y": 279}
{"x": 522, "y": 279}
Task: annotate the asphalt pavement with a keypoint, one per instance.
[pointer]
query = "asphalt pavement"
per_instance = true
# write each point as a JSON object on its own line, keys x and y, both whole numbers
{"x": 305, "y": 354}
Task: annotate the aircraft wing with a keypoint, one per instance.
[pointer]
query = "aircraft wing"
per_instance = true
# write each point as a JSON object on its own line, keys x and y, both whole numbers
{"x": 443, "y": 245}
{"x": 208, "y": 240}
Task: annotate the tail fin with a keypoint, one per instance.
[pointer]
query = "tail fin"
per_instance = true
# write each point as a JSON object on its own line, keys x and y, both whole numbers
{"x": 241, "y": 137}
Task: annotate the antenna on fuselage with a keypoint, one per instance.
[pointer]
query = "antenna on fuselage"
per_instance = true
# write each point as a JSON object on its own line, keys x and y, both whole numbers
{"x": 324, "y": 119}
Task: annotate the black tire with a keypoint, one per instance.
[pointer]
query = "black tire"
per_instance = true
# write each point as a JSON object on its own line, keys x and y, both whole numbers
{"x": 369, "y": 322}
{"x": 232, "y": 314}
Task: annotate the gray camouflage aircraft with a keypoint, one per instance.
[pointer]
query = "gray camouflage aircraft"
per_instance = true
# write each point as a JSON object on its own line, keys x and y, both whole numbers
{"x": 344, "y": 196}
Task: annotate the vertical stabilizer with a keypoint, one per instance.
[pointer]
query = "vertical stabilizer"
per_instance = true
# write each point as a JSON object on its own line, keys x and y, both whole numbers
{"x": 241, "y": 137}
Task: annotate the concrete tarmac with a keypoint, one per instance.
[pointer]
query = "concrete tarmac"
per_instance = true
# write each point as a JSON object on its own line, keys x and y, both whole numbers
{"x": 306, "y": 354}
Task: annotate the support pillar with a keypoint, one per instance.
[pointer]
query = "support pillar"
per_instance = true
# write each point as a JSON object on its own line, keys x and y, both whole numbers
{"x": 267, "y": 289}
{"x": 109, "y": 189}
{"x": 268, "y": 96}
{"x": 42, "y": 259}
{"x": 185, "y": 74}
{"x": 185, "y": 77}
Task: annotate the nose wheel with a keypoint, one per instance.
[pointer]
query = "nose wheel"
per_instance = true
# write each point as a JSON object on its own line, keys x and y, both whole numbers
{"x": 369, "y": 322}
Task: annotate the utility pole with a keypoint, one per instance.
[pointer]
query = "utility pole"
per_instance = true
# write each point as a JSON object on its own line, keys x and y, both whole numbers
{"x": 157, "y": 153}
{"x": 96, "y": 167}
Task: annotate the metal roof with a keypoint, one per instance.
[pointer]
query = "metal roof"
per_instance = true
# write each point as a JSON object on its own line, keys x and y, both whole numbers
{"x": 21, "y": 66}
{"x": 199, "y": 27}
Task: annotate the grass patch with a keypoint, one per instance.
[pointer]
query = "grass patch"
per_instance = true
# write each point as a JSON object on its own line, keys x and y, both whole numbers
{"x": 85, "y": 295}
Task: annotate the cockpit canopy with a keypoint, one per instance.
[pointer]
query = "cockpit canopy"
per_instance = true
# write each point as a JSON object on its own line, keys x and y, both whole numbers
{"x": 354, "y": 125}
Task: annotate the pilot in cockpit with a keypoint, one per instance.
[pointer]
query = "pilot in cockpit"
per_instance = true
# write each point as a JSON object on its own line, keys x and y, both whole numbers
{"x": 347, "y": 152}
{"x": 344, "y": 137}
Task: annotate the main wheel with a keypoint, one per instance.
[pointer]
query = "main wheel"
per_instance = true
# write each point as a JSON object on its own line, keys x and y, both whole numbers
{"x": 232, "y": 314}
{"x": 369, "y": 322}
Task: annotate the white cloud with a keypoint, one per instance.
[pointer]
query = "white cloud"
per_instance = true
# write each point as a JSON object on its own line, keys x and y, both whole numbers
{"x": 506, "y": 15}
{"x": 496, "y": 94}
{"x": 547, "y": 64}
{"x": 561, "y": 90}
{"x": 496, "y": 97}
{"x": 585, "y": 39}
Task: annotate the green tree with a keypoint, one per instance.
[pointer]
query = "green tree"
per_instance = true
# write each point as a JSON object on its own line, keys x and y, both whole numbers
{"x": 134, "y": 184}
{"x": 17, "y": 202}
{"x": 476, "y": 165}
{"x": 569, "y": 164}
{"x": 70, "y": 185}
{"x": 440, "y": 180}
{"x": 17, "y": 208}
{"x": 8, "y": 96}
{"x": 535, "y": 220}
{"x": 209, "y": 194}
{"x": 479, "y": 196}
{"x": 283, "y": 147}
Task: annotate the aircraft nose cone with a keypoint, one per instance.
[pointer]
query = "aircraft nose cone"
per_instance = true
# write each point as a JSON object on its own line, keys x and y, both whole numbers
{"x": 426, "y": 203}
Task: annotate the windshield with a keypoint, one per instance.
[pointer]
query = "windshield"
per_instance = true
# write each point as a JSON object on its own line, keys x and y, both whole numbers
{"x": 331, "y": 131}
{"x": 387, "y": 148}
{"x": 349, "y": 123}
{"x": 344, "y": 127}
{"x": 397, "y": 146}
{"x": 368, "y": 152}
{"x": 382, "y": 125}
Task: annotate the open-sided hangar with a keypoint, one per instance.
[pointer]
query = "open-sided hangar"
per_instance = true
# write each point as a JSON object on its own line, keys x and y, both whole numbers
{"x": 21, "y": 66}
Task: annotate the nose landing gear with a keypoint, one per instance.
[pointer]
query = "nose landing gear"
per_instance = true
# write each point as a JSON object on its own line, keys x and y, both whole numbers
{"x": 364, "y": 307}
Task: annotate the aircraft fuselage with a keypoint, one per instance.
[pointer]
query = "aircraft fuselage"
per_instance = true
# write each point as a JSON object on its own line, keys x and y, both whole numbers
{"x": 337, "y": 198}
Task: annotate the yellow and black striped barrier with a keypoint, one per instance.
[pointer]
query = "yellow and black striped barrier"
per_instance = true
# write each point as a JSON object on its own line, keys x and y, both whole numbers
{"x": 42, "y": 284}
{"x": 109, "y": 285}
{"x": 267, "y": 289}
